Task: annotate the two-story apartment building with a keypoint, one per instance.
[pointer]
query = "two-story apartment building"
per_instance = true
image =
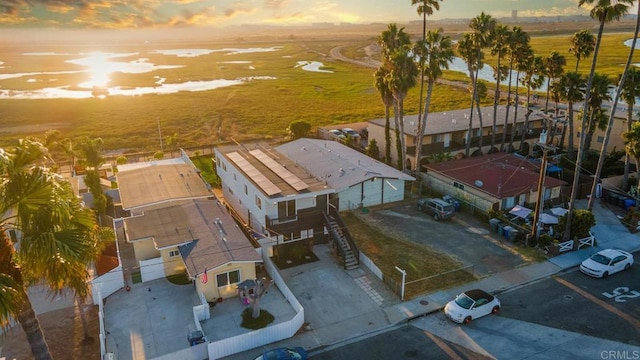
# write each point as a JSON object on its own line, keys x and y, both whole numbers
{"x": 447, "y": 131}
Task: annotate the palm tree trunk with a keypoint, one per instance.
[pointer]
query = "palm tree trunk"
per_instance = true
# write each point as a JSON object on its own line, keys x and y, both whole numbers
{"x": 496, "y": 100}
{"x": 387, "y": 135}
{"x": 576, "y": 176}
{"x": 477, "y": 100}
{"x": 423, "y": 126}
{"x": 403, "y": 146}
{"x": 515, "y": 115}
{"x": 526, "y": 117}
{"x": 607, "y": 135}
{"x": 506, "y": 116}
{"x": 570, "y": 145}
{"x": 627, "y": 157}
{"x": 396, "y": 115}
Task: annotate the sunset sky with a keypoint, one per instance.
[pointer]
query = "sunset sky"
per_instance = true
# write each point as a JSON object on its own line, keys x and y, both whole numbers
{"x": 136, "y": 14}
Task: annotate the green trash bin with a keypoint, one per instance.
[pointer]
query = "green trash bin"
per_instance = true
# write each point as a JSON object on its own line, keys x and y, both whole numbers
{"x": 500, "y": 229}
{"x": 493, "y": 225}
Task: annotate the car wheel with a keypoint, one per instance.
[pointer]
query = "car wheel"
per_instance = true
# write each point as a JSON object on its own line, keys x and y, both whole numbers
{"x": 605, "y": 274}
{"x": 626, "y": 267}
{"x": 495, "y": 309}
{"x": 467, "y": 320}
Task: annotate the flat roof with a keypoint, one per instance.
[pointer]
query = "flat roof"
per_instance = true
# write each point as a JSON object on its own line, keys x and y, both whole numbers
{"x": 207, "y": 236}
{"x": 149, "y": 183}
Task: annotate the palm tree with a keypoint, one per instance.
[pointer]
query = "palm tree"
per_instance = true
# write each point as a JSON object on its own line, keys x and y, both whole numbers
{"x": 395, "y": 45}
{"x": 582, "y": 45}
{"x": 533, "y": 67}
{"x": 517, "y": 40}
{"x": 469, "y": 53}
{"x": 57, "y": 237}
{"x": 572, "y": 91}
{"x": 597, "y": 119}
{"x": 523, "y": 53}
{"x": 436, "y": 53}
{"x": 553, "y": 68}
{"x": 612, "y": 112}
{"x": 425, "y": 8}
{"x": 499, "y": 48}
{"x": 400, "y": 79}
{"x": 630, "y": 90}
{"x": 604, "y": 11}
{"x": 387, "y": 99}
{"x": 483, "y": 27}
{"x": 632, "y": 147}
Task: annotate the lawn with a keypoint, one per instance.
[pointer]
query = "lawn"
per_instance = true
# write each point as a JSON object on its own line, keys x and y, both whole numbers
{"x": 427, "y": 270}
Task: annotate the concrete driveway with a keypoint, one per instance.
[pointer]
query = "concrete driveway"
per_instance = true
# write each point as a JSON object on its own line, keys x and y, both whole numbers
{"x": 462, "y": 237}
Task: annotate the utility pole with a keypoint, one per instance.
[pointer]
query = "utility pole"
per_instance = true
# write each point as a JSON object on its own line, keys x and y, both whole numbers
{"x": 543, "y": 143}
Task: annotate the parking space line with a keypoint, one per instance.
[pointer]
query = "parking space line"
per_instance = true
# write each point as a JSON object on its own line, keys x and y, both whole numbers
{"x": 442, "y": 345}
{"x": 634, "y": 322}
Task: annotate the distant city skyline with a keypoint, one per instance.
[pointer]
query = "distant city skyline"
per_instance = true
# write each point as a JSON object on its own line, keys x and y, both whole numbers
{"x": 163, "y": 14}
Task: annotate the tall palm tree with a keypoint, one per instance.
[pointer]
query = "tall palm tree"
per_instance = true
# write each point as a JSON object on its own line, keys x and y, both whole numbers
{"x": 632, "y": 147}
{"x": 57, "y": 237}
{"x": 596, "y": 112}
{"x": 572, "y": 91}
{"x": 518, "y": 39}
{"x": 521, "y": 61}
{"x": 436, "y": 52}
{"x": 387, "y": 99}
{"x": 630, "y": 90}
{"x": 619, "y": 91}
{"x": 400, "y": 79}
{"x": 553, "y": 68}
{"x": 604, "y": 11}
{"x": 467, "y": 50}
{"x": 499, "y": 48}
{"x": 483, "y": 27}
{"x": 582, "y": 44}
{"x": 425, "y": 8}
{"x": 392, "y": 41}
{"x": 533, "y": 68}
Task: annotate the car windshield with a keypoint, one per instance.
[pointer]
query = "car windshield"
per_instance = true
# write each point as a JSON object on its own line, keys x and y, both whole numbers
{"x": 448, "y": 208}
{"x": 599, "y": 258}
{"x": 464, "y": 301}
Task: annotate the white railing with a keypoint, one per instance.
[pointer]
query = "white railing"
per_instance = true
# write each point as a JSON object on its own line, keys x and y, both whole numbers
{"x": 587, "y": 241}
{"x": 565, "y": 246}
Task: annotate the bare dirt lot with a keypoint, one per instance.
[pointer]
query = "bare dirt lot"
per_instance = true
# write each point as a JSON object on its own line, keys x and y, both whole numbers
{"x": 64, "y": 333}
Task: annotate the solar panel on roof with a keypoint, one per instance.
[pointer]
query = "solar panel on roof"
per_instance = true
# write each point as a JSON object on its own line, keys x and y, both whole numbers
{"x": 280, "y": 170}
{"x": 265, "y": 184}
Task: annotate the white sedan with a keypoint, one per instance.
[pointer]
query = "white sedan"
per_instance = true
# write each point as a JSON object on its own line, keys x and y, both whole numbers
{"x": 606, "y": 262}
{"x": 470, "y": 305}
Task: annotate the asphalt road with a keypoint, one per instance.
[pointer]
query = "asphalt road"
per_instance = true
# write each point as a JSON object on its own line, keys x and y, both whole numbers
{"x": 604, "y": 308}
{"x": 470, "y": 241}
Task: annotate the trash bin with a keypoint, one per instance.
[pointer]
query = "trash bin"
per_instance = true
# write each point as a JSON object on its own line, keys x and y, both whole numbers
{"x": 629, "y": 203}
{"x": 507, "y": 229}
{"x": 500, "y": 229}
{"x": 493, "y": 225}
{"x": 513, "y": 234}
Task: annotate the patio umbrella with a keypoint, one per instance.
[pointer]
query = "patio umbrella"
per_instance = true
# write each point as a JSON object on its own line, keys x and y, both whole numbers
{"x": 548, "y": 219}
{"x": 557, "y": 211}
{"x": 520, "y": 211}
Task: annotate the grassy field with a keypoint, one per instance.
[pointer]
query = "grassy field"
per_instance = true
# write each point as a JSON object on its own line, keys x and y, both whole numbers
{"x": 256, "y": 109}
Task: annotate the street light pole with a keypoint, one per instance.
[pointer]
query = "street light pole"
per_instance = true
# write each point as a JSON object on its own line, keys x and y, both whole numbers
{"x": 543, "y": 143}
{"x": 404, "y": 275}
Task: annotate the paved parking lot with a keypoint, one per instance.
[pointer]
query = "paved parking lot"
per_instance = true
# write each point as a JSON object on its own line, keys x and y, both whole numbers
{"x": 462, "y": 237}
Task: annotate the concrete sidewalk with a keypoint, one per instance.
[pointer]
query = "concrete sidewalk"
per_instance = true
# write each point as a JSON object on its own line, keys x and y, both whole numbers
{"x": 608, "y": 231}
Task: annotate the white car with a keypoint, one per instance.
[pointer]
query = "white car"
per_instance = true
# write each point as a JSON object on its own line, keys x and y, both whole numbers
{"x": 470, "y": 305}
{"x": 606, "y": 262}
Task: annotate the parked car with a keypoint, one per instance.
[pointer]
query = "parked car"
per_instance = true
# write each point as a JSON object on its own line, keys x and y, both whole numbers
{"x": 296, "y": 353}
{"x": 349, "y": 131}
{"x": 606, "y": 262}
{"x": 471, "y": 305}
{"x": 439, "y": 208}
{"x": 338, "y": 134}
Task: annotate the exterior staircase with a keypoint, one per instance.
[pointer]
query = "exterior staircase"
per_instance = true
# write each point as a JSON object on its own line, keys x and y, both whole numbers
{"x": 341, "y": 240}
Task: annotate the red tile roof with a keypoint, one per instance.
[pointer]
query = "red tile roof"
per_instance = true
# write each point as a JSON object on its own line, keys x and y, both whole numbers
{"x": 501, "y": 175}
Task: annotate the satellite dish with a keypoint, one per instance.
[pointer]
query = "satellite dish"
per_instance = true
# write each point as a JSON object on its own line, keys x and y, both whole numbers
{"x": 479, "y": 183}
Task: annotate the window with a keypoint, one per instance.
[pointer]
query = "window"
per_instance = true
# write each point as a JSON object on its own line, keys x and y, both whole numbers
{"x": 228, "y": 278}
{"x": 231, "y": 191}
{"x": 286, "y": 208}
{"x": 246, "y": 189}
{"x": 600, "y": 139}
{"x": 174, "y": 253}
{"x": 258, "y": 202}
{"x": 234, "y": 177}
{"x": 458, "y": 185}
{"x": 224, "y": 165}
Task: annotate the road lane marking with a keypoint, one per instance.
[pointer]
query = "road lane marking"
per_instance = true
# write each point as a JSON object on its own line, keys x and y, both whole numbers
{"x": 634, "y": 322}
{"x": 442, "y": 345}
